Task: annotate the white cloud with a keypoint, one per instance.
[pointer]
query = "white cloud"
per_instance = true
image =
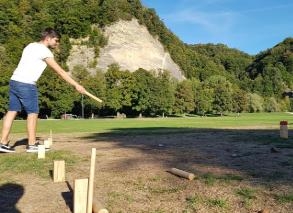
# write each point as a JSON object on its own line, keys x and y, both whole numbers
{"x": 210, "y": 21}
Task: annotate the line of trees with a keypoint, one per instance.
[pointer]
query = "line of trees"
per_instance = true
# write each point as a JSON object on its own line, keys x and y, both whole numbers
{"x": 148, "y": 94}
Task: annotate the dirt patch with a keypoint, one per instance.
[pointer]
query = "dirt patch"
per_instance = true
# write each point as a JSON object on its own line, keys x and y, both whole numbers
{"x": 236, "y": 171}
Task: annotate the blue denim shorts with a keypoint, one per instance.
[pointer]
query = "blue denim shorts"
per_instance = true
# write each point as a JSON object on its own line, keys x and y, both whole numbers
{"x": 23, "y": 96}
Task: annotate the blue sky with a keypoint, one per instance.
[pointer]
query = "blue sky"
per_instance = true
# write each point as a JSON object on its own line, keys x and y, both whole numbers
{"x": 248, "y": 25}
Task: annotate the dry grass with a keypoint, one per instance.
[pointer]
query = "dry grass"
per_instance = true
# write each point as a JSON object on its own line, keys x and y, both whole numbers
{"x": 236, "y": 171}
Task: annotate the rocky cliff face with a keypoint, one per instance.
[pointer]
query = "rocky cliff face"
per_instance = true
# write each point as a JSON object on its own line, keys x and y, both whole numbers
{"x": 131, "y": 46}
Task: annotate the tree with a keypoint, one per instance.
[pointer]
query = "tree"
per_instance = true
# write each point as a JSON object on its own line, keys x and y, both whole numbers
{"x": 97, "y": 86}
{"x": 184, "y": 98}
{"x": 204, "y": 100}
{"x": 120, "y": 88}
{"x": 5, "y": 73}
{"x": 162, "y": 94}
{"x": 80, "y": 74}
{"x": 142, "y": 92}
{"x": 255, "y": 102}
{"x": 64, "y": 49}
{"x": 285, "y": 104}
{"x": 240, "y": 100}
{"x": 271, "y": 105}
{"x": 222, "y": 100}
{"x": 56, "y": 96}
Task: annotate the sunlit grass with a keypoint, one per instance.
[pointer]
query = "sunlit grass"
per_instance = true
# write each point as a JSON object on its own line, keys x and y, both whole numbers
{"x": 285, "y": 198}
{"x": 29, "y": 162}
{"x": 157, "y": 125}
{"x": 211, "y": 179}
{"x": 247, "y": 195}
{"x": 195, "y": 201}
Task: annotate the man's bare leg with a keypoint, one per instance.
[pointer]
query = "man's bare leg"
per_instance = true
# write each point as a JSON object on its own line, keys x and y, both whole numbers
{"x": 32, "y": 119}
{"x": 7, "y": 124}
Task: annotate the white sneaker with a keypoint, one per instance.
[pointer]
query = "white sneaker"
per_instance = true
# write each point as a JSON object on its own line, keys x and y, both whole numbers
{"x": 34, "y": 148}
{"x": 6, "y": 148}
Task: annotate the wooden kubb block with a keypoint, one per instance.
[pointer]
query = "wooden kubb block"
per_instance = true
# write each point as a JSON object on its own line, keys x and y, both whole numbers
{"x": 41, "y": 151}
{"x": 80, "y": 197}
{"x": 59, "y": 171}
{"x": 47, "y": 144}
{"x": 283, "y": 131}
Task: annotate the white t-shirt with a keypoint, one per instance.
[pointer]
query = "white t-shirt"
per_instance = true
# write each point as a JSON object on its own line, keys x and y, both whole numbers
{"x": 32, "y": 64}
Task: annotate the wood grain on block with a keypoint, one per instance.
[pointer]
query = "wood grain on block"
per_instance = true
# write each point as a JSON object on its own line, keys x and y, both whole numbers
{"x": 182, "y": 173}
{"x": 80, "y": 195}
{"x": 59, "y": 171}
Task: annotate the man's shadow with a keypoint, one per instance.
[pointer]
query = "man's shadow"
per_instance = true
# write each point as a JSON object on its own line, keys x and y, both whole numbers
{"x": 10, "y": 193}
{"x": 20, "y": 142}
{"x": 23, "y": 142}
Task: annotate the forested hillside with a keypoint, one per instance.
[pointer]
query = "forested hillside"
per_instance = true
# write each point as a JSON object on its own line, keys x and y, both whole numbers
{"x": 272, "y": 69}
{"x": 219, "y": 79}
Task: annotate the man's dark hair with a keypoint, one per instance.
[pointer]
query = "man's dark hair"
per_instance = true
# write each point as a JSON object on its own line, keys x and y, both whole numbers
{"x": 50, "y": 32}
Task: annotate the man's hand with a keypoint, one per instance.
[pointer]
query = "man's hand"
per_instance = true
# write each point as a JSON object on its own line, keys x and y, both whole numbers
{"x": 80, "y": 89}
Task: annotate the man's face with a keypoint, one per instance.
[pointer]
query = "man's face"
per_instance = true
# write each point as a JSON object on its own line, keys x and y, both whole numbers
{"x": 53, "y": 42}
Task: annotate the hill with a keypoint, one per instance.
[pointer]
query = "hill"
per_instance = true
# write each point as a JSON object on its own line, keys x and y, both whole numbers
{"x": 272, "y": 69}
{"x": 113, "y": 47}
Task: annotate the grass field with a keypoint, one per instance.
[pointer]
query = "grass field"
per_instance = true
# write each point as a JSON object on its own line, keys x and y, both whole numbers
{"x": 152, "y": 125}
{"x": 240, "y": 162}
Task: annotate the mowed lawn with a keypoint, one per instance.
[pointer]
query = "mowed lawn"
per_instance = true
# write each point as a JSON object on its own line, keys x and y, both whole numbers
{"x": 163, "y": 125}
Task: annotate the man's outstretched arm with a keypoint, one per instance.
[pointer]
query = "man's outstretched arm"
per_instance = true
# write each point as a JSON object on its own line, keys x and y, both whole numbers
{"x": 56, "y": 67}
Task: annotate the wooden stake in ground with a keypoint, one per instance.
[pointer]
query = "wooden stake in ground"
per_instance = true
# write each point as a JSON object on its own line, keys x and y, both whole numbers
{"x": 91, "y": 182}
{"x": 93, "y": 97}
{"x": 59, "y": 171}
{"x": 80, "y": 195}
{"x": 182, "y": 173}
{"x": 50, "y": 139}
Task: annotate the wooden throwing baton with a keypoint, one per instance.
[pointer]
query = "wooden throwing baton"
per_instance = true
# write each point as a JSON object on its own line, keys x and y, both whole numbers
{"x": 93, "y": 97}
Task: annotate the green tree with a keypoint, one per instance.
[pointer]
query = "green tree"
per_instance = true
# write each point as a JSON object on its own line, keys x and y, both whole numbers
{"x": 240, "y": 100}
{"x": 80, "y": 74}
{"x": 285, "y": 104}
{"x": 56, "y": 96}
{"x": 120, "y": 88}
{"x": 162, "y": 98}
{"x": 204, "y": 100}
{"x": 255, "y": 102}
{"x": 63, "y": 52}
{"x": 271, "y": 105}
{"x": 5, "y": 73}
{"x": 143, "y": 92}
{"x": 222, "y": 100}
{"x": 184, "y": 98}
{"x": 96, "y": 85}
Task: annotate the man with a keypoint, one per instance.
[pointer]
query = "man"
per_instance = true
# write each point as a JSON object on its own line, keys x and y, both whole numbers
{"x": 23, "y": 93}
